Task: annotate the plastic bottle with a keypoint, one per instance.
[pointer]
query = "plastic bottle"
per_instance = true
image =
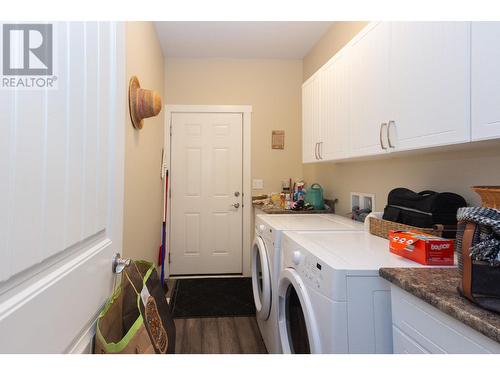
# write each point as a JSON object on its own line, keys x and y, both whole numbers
{"x": 288, "y": 202}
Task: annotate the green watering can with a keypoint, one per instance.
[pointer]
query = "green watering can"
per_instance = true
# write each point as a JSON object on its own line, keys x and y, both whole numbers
{"x": 314, "y": 196}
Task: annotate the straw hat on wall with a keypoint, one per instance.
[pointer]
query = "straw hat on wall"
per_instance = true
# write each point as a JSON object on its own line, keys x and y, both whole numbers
{"x": 142, "y": 103}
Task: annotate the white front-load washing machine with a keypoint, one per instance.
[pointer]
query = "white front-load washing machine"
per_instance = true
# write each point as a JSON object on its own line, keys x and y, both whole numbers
{"x": 331, "y": 298}
{"x": 266, "y": 262}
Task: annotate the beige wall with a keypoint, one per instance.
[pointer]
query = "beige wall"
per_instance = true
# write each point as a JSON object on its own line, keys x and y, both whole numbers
{"x": 143, "y": 186}
{"x": 330, "y": 43}
{"x": 454, "y": 171}
{"x": 444, "y": 171}
{"x": 271, "y": 87}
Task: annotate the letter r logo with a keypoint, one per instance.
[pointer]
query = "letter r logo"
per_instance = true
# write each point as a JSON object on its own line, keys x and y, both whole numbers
{"x": 27, "y": 49}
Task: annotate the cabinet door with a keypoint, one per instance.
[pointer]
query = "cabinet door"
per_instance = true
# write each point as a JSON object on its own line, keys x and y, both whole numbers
{"x": 421, "y": 327}
{"x": 485, "y": 80}
{"x": 369, "y": 57}
{"x": 429, "y": 84}
{"x": 403, "y": 344}
{"x": 311, "y": 107}
{"x": 335, "y": 107}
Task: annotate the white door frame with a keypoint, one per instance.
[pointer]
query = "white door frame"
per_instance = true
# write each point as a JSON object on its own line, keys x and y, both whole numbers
{"x": 246, "y": 111}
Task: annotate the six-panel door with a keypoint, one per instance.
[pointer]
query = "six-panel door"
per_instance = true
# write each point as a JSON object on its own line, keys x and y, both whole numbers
{"x": 206, "y": 193}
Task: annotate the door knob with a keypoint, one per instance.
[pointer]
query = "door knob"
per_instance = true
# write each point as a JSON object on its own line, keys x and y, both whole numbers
{"x": 236, "y": 205}
{"x": 236, "y": 193}
{"x": 119, "y": 263}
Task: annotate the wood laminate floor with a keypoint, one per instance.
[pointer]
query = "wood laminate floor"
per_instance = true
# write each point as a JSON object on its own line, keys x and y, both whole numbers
{"x": 234, "y": 335}
{"x": 228, "y": 335}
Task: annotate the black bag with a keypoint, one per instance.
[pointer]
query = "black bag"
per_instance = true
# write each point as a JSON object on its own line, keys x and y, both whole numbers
{"x": 424, "y": 209}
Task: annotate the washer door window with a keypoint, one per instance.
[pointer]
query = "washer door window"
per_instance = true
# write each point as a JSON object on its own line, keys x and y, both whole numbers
{"x": 297, "y": 326}
{"x": 261, "y": 279}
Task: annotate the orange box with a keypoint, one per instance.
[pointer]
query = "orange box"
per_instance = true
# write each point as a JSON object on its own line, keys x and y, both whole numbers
{"x": 422, "y": 248}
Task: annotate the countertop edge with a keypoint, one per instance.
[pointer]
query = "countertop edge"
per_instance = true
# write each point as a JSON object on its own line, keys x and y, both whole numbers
{"x": 469, "y": 319}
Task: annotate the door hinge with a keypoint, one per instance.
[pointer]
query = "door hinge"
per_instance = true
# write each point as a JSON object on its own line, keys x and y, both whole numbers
{"x": 170, "y": 129}
{"x": 170, "y": 193}
{"x": 169, "y": 259}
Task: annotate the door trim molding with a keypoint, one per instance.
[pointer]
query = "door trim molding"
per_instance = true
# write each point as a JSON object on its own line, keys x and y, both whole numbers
{"x": 186, "y": 108}
{"x": 246, "y": 111}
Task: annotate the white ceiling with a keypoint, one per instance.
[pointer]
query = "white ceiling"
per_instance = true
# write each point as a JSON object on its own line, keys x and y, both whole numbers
{"x": 242, "y": 40}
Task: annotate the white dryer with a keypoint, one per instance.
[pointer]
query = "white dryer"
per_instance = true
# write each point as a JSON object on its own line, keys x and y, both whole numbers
{"x": 266, "y": 261}
{"x": 330, "y": 296}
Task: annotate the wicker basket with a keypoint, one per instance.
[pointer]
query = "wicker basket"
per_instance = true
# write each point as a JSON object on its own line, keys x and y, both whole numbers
{"x": 381, "y": 228}
{"x": 490, "y": 195}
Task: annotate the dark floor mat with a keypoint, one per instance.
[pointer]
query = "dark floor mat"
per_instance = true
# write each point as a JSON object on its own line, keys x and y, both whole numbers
{"x": 213, "y": 297}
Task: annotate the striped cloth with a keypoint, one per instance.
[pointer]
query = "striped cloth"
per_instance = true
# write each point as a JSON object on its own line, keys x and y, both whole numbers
{"x": 486, "y": 240}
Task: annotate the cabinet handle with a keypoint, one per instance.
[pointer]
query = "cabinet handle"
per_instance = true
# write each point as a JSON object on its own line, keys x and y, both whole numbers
{"x": 382, "y": 125}
{"x": 320, "y": 150}
{"x": 316, "y": 151}
{"x": 389, "y": 133}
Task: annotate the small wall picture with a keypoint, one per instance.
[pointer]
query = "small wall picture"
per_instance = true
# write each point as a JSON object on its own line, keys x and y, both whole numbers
{"x": 278, "y": 140}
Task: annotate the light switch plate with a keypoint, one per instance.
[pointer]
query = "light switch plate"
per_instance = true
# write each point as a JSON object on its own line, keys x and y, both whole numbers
{"x": 257, "y": 184}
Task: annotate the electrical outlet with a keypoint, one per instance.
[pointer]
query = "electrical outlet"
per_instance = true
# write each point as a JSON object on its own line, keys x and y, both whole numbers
{"x": 257, "y": 184}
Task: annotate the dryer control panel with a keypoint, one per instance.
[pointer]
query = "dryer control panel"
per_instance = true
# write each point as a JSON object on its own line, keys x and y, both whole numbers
{"x": 313, "y": 271}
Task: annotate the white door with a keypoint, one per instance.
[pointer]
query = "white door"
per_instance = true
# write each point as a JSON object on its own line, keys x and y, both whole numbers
{"x": 311, "y": 107}
{"x": 206, "y": 193}
{"x": 335, "y": 108}
{"x": 61, "y": 191}
{"x": 485, "y": 80}
{"x": 369, "y": 57}
{"x": 429, "y": 84}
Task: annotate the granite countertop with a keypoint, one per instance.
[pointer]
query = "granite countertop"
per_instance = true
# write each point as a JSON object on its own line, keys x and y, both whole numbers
{"x": 438, "y": 287}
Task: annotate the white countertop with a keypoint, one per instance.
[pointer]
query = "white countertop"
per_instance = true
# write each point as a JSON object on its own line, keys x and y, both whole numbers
{"x": 311, "y": 222}
{"x": 350, "y": 250}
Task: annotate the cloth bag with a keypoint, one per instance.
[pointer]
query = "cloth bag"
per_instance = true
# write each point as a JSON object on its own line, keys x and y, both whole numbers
{"x": 478, "y": 249}
{"x": 136, "y": 319}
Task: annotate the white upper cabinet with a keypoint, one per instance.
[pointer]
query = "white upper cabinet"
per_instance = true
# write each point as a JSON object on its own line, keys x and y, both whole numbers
{"x": 401, "y": 86}
{"x": 485, "y": 80}
{"x": 429, "y": 88}
{"x": 369, "y": 62}
{"x": 335, "y": 109}
{"x": 311, "y": 102}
